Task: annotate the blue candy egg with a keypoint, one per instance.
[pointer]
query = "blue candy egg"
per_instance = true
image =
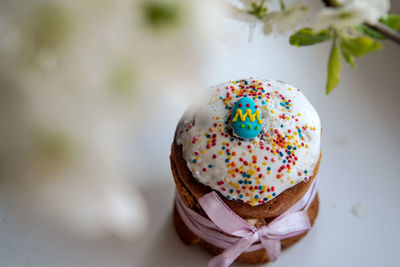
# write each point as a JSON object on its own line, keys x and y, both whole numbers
{"x": 246, "y": 118}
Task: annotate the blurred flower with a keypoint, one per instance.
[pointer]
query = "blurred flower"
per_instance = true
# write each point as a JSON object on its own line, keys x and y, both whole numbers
{"x": 77, "y": 79}
{"x": 287, "y": 19}
{"x": 351, "y": 13}
{"x": 161, "y": 13}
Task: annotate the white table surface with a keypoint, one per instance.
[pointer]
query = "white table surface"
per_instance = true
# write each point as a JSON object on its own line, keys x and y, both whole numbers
{"x": 360, "y": 146}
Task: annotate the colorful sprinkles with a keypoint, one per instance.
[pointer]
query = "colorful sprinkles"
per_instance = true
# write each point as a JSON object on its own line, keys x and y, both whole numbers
{"x": 258, "y": 169}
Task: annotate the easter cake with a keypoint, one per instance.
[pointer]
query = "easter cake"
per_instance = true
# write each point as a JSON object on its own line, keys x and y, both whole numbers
{"x": 244, "y": 160}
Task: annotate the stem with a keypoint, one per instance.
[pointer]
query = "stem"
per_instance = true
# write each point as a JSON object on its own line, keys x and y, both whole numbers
{"x": 386, "y": 31}
{"x": 379, "y": 27}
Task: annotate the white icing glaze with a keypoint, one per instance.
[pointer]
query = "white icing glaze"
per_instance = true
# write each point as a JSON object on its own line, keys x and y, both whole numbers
{"x": 257, "y": 170}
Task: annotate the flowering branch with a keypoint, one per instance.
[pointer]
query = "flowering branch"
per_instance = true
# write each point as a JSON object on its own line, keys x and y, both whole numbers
{"x": 378, "y": 27}
{"x": 354, "y": 27}
{"x": 385, "y": 31}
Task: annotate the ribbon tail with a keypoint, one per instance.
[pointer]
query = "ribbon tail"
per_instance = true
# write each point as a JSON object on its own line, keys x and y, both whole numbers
{"x": 273, "y": 247}
{"x": 230, "y": 254}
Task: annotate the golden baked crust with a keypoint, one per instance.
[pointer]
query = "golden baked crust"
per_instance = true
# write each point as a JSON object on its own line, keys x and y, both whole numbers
{"x": 194, "y": 190}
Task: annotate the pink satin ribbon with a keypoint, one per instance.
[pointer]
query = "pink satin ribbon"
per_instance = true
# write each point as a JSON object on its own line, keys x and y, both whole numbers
{"x": 246, "y": 238}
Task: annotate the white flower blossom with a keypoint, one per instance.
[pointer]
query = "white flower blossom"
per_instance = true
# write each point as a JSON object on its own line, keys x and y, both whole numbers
{"x": 351, "y": 13}
{"x": 242, "y": 13}
{"x": 285, "y": 20}
{"x": 280, "y": 21}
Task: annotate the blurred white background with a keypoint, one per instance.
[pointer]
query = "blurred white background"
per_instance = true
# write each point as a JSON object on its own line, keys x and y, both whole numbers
{"x": 359, "y": 175}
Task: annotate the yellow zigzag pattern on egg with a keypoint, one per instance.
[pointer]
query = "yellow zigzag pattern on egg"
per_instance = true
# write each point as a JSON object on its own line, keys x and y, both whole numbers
{"x": 252, "y": 117}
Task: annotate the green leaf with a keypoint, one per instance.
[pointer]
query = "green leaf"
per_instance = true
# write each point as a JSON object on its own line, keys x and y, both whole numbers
{"x": 349, "y": 59}
{"x": 333, "y": 68}
{"x": 307, "y": 36}
{"x": 391, "y": 20}
{"x": 358, "y": 46}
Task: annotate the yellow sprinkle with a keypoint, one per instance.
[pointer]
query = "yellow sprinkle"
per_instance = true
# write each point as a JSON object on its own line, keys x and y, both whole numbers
{"x": 264, "y": 163}
{"x": 217, "y": 118}
{"x": 221, "y": 152}
{"x": 291, "y": 182}
{"x": 290, "y": 89}
{"x": 203, "y": 151}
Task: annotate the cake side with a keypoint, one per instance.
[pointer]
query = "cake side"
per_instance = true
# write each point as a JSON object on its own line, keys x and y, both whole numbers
{"x": 191, "y": 190}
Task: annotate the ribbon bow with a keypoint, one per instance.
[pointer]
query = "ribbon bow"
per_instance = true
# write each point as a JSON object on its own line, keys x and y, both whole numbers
{"x": 246, "y": 237}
